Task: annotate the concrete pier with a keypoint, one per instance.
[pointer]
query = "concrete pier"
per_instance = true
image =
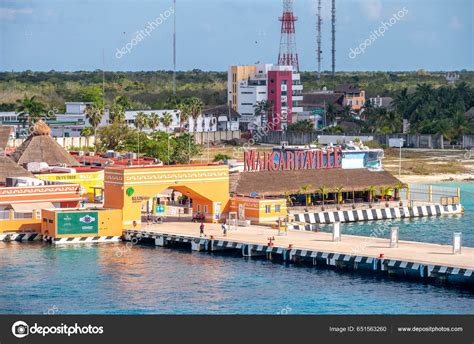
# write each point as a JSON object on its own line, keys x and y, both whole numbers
{"x": 418, "y": 260}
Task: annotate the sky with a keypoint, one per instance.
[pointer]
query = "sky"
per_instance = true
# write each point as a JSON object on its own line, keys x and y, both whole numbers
{"x": 136, "y": 35}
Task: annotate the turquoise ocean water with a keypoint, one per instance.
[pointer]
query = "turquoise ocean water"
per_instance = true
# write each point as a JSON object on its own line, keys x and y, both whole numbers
{"x": 37, "y": 278}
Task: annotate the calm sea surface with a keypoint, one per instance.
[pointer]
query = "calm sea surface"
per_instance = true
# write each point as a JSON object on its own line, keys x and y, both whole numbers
{"x": 38, "y": 278}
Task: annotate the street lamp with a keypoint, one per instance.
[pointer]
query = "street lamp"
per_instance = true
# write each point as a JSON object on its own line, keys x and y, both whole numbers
{"x": 400, "y": 160}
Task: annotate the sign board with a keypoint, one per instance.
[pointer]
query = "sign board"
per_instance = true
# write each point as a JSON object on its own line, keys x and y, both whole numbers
{"x": 160, "y": 208}
{"x": 78, "y": 222}
{"x": 293, "y": 160}
{"x": 318, "y": 111}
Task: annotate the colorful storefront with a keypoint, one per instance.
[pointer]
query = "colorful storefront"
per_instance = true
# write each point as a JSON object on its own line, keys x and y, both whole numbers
{"x": 82, "y": 224}
{"x": 258, "y": 210}
{"x": 20, "y": 207}
{"x": 88, "y": 179}
{"x": 129, "y": 187}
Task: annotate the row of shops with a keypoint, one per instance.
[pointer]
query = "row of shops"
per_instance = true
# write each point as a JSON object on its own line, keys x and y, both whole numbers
{"x": 59, "y": 204}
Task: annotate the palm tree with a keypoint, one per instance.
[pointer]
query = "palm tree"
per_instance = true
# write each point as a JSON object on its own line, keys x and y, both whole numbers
{"x": 94, "y": 114}
{"x": 385, "y": 191}
{"x": 29, "y": 110}
{"x": 141, "y": 121}
{"x": 196, "y": 106}
{"x": 117, "y": 113}
{"x": 323, "y": 191}
{"x": 399, "y": 187}
{"x": 289, "y": 198}
{"x": 154, "y": 121}
{"x": 261, "y": 109}
{"x": 184, "y": 113}
{"x": 371, "y": 190}
{"x": 346, "y": 112}
{"x": 304, "y": 191}
{"x": 166, "y": 120}
{"x": 87, "y": 132}
{"x": 338, "y": 191}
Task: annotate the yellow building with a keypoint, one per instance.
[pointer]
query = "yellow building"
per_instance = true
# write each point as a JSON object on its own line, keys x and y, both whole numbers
{"x": 258, "y": 210}
{"x": 87, "y": 180}
{"x": 128, "y": 187}
{"x": 81, "y": 223}
{"x": 236, "y": 74}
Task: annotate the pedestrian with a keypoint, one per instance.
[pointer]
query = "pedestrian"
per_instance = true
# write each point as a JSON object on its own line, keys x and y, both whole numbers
{"x": 201, "y": 230}
{"x": 148, "y": 218}
{"x": 224, "y": 229}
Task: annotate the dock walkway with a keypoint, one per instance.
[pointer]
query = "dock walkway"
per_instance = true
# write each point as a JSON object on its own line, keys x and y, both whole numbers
{"x": 410, "y": 259}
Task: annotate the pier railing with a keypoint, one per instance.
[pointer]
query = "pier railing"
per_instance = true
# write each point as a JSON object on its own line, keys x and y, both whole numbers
{"x": 355, "y": 206}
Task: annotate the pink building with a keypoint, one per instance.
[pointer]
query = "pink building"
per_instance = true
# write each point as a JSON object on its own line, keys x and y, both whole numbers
{"x": 280, "y": 97}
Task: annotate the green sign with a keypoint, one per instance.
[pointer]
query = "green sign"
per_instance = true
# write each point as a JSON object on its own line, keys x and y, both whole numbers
{"x": 78, "y": 222}
{"x": 318, "y": 111}
{"x": 130, "y": 191}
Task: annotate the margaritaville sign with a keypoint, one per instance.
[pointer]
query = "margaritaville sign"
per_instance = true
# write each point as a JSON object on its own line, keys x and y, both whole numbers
{"x": 292, "y": 160}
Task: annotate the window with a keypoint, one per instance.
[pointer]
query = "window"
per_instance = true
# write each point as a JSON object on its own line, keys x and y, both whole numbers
{"x": 205, "y": 209}
{"x": 198, "y": 208}
{"x": 277, "y": 208}
{"x": 268, "y": 209}
{"x": 272, "y": 80}
{"x": 283, "y": 93}
{"x": 284, "y": 82}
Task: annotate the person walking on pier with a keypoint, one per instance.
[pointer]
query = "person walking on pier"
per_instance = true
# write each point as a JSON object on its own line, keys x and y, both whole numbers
{"x": 201, "y": 230}
{"x": 224, "y": 229}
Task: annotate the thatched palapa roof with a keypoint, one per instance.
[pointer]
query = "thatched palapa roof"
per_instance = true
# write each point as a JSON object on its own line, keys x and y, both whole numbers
{"x": 272, "y": 183}
{"x": 5, "y": 132}
{"x": 41, "y": 147}
{"x": 8, "y": 169}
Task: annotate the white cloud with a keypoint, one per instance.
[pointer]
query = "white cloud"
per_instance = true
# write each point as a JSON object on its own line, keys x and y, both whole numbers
{"x": 455, "y": 23}
{"x": 372, "y": 9}
{"x": 10, "y": 13}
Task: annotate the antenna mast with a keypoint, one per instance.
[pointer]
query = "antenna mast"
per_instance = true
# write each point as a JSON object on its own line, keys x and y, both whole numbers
{"x": 287, "y": 55}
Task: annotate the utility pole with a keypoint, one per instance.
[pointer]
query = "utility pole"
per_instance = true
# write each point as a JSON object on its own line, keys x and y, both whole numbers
{"x": 333, "y": 32}
{"x": 318, "y": 39}
{"x": 174, "y": 47}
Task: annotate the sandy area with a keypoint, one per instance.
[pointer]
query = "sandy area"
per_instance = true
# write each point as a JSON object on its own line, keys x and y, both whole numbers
{"x": 451, "y": 177}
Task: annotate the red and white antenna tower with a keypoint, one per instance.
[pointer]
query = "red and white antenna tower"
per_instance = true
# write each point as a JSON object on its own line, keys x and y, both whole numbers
{"x": 288, "y": 55}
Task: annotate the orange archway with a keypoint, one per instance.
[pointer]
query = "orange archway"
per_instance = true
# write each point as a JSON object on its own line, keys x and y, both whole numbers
{"x": 127, "y": 187}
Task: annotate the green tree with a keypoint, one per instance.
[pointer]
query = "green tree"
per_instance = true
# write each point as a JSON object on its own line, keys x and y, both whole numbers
{"x": 261, "y": 109}
{"x": 141, "y": 121}
{"x": 323, "y": 191}
{"x": 94, "y": 115}
{"x": 113, "y": 137}
{"x": 87, "y": 132}
{"x": 196, "y": 106}
{"x": 166, "y": 120}
{"x": 371, "y": 192}
{"x": 184, "y": 113}
{"x": 304, "y": 190}
{"x": 92, "y": 94}
{"x": 29, "y": 110}
{"x": 117, "y": 113}
{"x": 154, "y": 121}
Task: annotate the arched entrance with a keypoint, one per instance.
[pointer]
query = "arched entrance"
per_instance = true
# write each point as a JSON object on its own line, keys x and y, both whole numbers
{"x": 128, "y": 187}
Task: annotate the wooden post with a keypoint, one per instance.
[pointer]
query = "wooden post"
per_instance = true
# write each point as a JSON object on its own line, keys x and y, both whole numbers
{"x": 430, "y": 193}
